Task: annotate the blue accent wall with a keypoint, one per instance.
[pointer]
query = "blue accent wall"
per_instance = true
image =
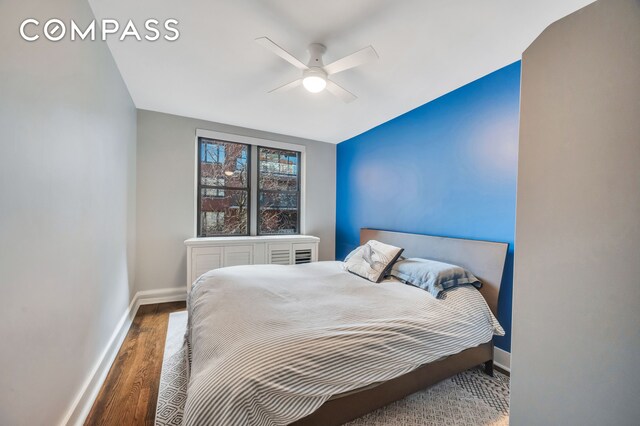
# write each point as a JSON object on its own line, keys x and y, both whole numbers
{"x": 446, "y": 168}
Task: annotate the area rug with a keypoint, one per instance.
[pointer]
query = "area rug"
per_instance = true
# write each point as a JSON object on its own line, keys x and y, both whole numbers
{"x": 172, "y": 394}
{"x": 470, "y": 398}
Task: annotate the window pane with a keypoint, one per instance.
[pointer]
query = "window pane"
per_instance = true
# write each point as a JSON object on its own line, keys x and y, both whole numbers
{"x": 212, "y": 152}
{"x": 213, "y": 222}
{"x": 278, "y": 169}
{"x": 224, "y": 214}
{"x": 223, "y": 164}
{"x": 278, "y": 213}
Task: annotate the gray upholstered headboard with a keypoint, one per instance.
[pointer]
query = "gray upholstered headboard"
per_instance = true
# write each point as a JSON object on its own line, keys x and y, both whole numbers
{"x": 484, "y": 259}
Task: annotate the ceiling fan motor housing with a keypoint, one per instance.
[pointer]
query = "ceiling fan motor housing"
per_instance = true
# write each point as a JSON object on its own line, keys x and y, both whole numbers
{"x": 314, "y": 72}
{"x": 316, "y": 50}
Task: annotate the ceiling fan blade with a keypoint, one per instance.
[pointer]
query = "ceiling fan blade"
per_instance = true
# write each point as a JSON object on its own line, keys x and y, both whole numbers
{"x": 358, "y": 58}
{"x": 340, "y": 92}
{"x": 287, "y": 86}
{"x": 266, "y": 42}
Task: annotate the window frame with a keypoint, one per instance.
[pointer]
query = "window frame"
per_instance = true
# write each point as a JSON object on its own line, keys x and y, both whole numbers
{"x": 253, "y": 143}
{"x": 200, "y": 187}
{"x": 298, "y": 191}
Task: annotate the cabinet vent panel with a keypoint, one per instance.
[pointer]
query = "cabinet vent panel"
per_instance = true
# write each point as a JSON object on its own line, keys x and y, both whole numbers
{"x": 303, "y": 256}
{"x": 280, "y": 257}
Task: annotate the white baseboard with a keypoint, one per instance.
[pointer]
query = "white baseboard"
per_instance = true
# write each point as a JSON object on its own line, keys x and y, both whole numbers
{"x": 148, "y": 297}
{"x": 502, "y": 359}
{"x": 83, "y": 402}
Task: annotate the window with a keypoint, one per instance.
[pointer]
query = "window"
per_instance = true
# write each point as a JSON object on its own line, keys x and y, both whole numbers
{"x": 278, "y": 191}
{"x": 239, "y": 197}
{"x": 223, "y": 188}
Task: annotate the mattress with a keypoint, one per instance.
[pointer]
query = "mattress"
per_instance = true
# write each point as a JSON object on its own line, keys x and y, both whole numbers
{"x": 271, "y": 343}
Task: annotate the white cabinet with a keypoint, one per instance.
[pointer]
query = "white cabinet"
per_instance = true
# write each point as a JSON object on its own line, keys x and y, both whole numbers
{"x": 205, "y": 254}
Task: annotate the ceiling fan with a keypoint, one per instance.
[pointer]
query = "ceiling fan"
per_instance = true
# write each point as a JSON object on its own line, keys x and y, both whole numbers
{"x": 315, "y": 75}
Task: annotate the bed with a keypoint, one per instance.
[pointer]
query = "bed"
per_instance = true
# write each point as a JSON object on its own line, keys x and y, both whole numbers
{"x": 315, "y": 345}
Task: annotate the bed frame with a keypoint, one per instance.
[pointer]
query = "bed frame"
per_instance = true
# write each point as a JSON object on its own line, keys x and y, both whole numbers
{"x": 486, "y": 261}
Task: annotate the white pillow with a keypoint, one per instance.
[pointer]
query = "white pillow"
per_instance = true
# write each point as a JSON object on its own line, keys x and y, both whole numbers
{"x": 372, "y": 260}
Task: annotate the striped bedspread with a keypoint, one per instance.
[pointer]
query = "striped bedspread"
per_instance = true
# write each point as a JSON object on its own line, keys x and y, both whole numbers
{"x": 270, "y": 344}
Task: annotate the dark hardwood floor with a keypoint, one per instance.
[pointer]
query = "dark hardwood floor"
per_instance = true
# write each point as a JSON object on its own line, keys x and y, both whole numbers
{"x": 130, "y": 391}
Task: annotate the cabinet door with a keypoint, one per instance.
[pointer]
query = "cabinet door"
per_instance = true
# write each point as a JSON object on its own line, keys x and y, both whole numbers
{"x": 304, "y": 253}
{"x": 279, "y": 254}
{"x": 238, "y": 255}
{"x": 204, "y": 259}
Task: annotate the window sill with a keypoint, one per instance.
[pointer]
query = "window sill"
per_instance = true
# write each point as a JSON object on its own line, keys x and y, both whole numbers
{"x": 203, "y": 241}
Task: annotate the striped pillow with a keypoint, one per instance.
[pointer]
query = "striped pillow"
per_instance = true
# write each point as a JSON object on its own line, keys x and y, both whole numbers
{"x": 432, "y": 276}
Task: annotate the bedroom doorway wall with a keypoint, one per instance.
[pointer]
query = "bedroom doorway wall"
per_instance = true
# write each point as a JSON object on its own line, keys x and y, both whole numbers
{"x": 576, "y": 287}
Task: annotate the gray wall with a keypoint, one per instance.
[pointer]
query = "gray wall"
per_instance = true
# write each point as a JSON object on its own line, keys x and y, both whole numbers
{"x": 576, "y": 324}
{"x": 67, "y": 211}
{"x": 166, "y": 203}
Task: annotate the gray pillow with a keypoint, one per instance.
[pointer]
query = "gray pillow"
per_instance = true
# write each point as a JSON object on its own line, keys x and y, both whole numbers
{"x": 432, "y": 276}
{"x": 372, "y": 260}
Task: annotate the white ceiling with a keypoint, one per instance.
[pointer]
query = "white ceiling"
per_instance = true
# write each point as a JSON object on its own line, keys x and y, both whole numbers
{"x": 217, "y": 72}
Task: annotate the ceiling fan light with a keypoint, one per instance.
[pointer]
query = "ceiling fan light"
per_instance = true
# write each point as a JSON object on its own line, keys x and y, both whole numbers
{"x": 314, "y": 83}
